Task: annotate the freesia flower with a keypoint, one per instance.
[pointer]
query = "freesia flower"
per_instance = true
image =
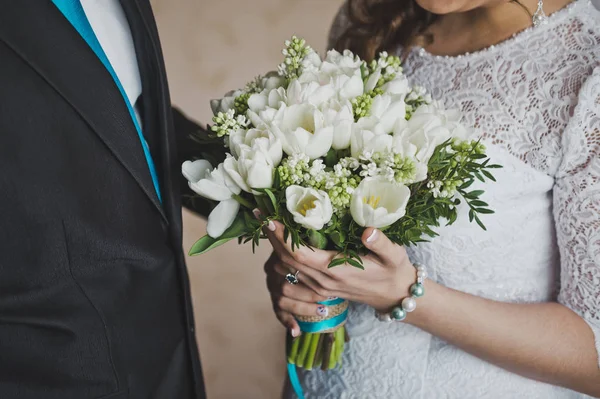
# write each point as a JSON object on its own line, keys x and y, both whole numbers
{"x": 377, "y": 202}
{"x": 302, "y": 130}
{"x": 311, "y": 208}
{"x": 214, "y": 184}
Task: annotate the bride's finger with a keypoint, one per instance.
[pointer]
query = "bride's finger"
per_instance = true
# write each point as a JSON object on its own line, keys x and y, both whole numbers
{"x": 289, "y": 322}
{"x": 299, "y": 308}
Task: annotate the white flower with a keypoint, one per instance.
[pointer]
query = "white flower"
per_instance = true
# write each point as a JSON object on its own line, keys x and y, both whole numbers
{"x": 427, "y": 128}
{"x": 386, "y": 111}
{"x": 268, "y": 98}
{"x": 252, "y": 170}
{"x": 215, "y": 185}
{"x": 302, "y": 129}
{"x": 378, "y": 203}
{"x": 272, "y": 81}
{"x": 339, "y": 115}
{"x": 398, "y": 86}
{"x": 196, "y": 170}
{"x": 345, "y": 63}
{"x": 310, "y": 92}
{"x": 365, "y": 141}
{"x": 242, "y": 139}
{"x": 311, "y": 208}
{"x": 226, "y": 103}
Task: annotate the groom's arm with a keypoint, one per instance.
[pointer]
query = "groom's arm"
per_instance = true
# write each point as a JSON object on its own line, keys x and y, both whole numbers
{"x": 190, "y": 149}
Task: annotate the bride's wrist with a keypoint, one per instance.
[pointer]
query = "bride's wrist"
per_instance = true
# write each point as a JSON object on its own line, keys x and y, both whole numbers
{"x": 404, "y": 300}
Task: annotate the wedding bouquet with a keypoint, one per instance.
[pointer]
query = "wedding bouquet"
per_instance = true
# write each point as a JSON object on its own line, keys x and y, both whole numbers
{"x": 329, "y": 147}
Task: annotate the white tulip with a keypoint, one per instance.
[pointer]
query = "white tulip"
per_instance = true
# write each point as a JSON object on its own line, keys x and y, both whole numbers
{"x": 365, "y": 141}
{"x": 222, "y": 217}
{"x": 345, "y": 63}
{"x": 226, "y": 103}
{"x": 242, "y": 139}
{"x": 302, "y": 130}
{"x": 272, "y": 80}
{"x": 268, "y": 98}
{"x": 398, "y": 86}
{"x": 196, "y": 170}
{"x": 377, "y": 202}
{"x": 310, "y": 208}
{"x": 310, "y": 92}
{"x": 252, "y": 170}
{"x": 385, "y": 112}
{"x": 215, "y": 185}
{"x": 340, "y": 116}
{"x": 419, "y": 137}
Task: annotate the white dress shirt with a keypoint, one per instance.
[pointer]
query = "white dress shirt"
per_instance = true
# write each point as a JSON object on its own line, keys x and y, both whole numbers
{"x": 112, "y": 30}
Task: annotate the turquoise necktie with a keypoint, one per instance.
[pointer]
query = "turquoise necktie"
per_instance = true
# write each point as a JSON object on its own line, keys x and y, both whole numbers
{"x": 74, "y": 12}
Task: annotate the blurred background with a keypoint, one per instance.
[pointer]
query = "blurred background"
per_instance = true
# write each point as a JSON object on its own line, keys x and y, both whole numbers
{"x": 211, "y": 47}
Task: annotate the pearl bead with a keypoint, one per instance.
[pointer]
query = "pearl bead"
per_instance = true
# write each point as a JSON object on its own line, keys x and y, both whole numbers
{"x": 417, "y": 290}
{"x": 409, "y": 304}
{"x": 421, "y": 273}
{"x": 384, "y": 317}
{"x": 398, "y": 314}
{"x": 420, "y": 268}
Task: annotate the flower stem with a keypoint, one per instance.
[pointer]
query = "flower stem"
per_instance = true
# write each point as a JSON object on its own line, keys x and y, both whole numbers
{"x": 332, "y": 355}
{"x": 312, "y": 351}
{"x": 327, "y": 348}
{"x": 294, "y": 350}
{"x": 339, "y": 340}
{"x": 306, "y": 340}
{"x": 243, "y": 201}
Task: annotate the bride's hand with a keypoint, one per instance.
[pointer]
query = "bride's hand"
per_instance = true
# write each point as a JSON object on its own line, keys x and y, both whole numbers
{"x": 385, "y": 281}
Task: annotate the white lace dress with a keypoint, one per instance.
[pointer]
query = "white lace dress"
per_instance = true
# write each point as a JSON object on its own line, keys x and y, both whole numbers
{"x": 536, "y": 100}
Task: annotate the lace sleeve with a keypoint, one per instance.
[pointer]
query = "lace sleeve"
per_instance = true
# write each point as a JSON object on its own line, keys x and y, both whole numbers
{"x": 577, "y": 208}
{"x": 339, "y": 26}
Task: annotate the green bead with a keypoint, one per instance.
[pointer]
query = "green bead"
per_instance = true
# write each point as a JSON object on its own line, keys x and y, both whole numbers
{"x": 417, "y": 290}
{"x": 398, "y": 314}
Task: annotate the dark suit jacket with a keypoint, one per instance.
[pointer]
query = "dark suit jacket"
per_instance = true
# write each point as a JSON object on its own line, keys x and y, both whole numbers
{"x": 94, "y": 294}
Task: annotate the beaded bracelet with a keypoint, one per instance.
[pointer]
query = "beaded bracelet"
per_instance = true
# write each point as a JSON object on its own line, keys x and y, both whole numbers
{"x": 409, "y": 304}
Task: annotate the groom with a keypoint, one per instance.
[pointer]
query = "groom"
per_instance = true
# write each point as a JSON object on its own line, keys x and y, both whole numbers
{"x": 94, "y": 295}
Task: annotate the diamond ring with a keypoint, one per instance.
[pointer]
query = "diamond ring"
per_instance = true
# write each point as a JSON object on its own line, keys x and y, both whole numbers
{"x": 292, "y": 278}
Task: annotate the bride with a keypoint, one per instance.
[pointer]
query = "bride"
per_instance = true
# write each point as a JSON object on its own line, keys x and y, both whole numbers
{"x": 513, "y": 312}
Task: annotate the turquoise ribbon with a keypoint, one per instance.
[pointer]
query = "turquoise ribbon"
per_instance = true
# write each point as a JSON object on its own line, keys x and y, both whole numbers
{"x": 315, "y": 327}
{"x": 74, "y": 12}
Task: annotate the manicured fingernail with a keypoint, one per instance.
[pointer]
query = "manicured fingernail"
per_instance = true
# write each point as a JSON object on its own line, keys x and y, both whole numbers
{"x": 256, "y": 213}
{"x": 295, "y": 332}
{"x": 332, "y": 297}
{"x": 373, "y": 236}
{"x": 271, "y": 226}
{"x": 322, "y": 311}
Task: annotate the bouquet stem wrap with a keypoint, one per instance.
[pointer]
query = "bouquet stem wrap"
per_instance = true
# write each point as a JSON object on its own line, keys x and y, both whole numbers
{"x": 321, "y": 343}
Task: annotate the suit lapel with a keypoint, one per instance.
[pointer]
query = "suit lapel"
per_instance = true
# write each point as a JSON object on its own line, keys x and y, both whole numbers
{"x": 42, "y": 36}
{"x": 140, "y": 16}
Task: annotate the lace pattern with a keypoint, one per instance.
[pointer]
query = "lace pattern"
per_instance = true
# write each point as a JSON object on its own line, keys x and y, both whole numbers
{"x": 535, "y": 98}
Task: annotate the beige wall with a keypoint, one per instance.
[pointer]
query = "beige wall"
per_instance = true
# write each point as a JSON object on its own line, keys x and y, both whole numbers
{"x": 212, "y": 46}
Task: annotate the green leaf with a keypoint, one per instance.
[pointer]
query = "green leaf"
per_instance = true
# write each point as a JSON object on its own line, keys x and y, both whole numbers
{"x": 484, "y": 211}
{"x": 480, "y": 223}
{"x": 206, "y": 243}
{"x": 337, "y": 262}
{"x": 479, "y": 203}
{"x": 488, "y": 175}
{"x": 494, "y": 166}
{"x": 479, "y": 177}
{"x": 474, "y": 194}
{"x": 331, "y": 158}
{"x": 466, "y": 184}
{"x": 272, "y": 198}
{"x": 354, "y": 262}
